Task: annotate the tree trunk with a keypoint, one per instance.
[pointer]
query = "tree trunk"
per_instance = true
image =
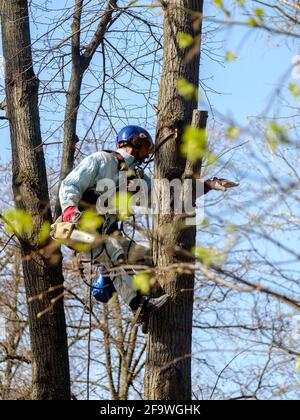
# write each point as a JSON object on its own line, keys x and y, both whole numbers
{"x": 168, "y": 365}
{"x": 51, "y": 379}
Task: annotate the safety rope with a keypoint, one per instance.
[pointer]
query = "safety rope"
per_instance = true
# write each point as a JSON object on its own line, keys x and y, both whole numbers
{"x": 90, "y": 327}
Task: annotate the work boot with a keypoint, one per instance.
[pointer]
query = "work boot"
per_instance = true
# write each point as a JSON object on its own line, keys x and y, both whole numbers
{"x": 143, "y": 307}
{"x": 152, "y": 304}
{"x": 145, "y": 326}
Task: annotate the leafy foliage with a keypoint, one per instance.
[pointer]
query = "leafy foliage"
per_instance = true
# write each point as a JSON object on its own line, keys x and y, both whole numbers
{"x": 208, "y": 256}
{"x": 194, "y": 144}
{"x": 187, "y": 90}
{"x": 19, "y": 222}
{"x": 143, "y": 282}
{"x": 90, "y": 221}
{"x": 277, "y": 134}
{"x": 184, "y": 40}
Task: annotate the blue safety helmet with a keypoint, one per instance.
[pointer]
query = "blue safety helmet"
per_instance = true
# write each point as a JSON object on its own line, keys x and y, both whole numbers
{"x": 133, "y": 135}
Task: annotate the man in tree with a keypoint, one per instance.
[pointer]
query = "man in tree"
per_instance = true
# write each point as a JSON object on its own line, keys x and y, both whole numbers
{"x": 134, "y": 146}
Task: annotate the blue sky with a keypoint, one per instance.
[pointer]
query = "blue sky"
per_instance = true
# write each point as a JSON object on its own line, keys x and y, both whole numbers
{"x": 246, "y": 83}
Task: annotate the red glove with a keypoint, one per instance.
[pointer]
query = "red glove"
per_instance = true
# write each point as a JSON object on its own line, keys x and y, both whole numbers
{"x": 69, "y": 214}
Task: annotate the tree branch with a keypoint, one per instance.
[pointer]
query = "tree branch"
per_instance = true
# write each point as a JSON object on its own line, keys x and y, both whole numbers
{"x": 99, "y": 34}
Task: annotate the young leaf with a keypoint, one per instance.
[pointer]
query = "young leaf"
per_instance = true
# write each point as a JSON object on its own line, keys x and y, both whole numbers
{"x": 218, "y": 3}
{"x": 260, "y": 14}
{"x": 230, "y": 56}
{"x": 90, "y": 221}
{"x": 187, "y": 90}
{"x": 232, "y": 132}
{"x": 184, "y": 40}
{"x": 294, "y": 89}
{"x": 122, "y": 203}
{"x": 208, "y": 256}
{"x": 194, "y": 144}
{"x": 143, "y": 282}
{"x": 44, "y": 233}
{"x": 277, "y": 134}
{"x": 20, "y": 221}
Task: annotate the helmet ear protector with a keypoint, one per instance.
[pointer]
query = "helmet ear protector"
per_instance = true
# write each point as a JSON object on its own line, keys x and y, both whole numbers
{"x": 136, "y": 142}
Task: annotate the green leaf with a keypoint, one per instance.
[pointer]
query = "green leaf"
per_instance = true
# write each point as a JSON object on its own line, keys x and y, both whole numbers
{"x": 277, "y": 135}
{"x": 218, "y": 3}
{"x": 44, "y": 233}
{"x": 184, "y": 40}
{"x": 260, "y": 14}
{"x": 143, "y": 282}
{"x": 90, "y": 221}
{"x": 230, "y": 56}
{"x": 20, "y": 222}
{"x": 232, "y": 132}
{"x": 294, "y": 89}
{"x": 207, "y": 256}
{"x": 194, "y": 144}
{"x": 253, "y": 22}
{"x": 122, "y": 203}
{"x": 240, "y": 3}
{"x": 187, "y": 90}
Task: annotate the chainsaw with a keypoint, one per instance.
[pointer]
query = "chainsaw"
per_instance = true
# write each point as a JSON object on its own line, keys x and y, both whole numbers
{"x": 67, "y": 233}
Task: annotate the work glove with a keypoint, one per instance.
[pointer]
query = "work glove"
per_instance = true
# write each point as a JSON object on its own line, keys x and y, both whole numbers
{"x": 70, "y": 214}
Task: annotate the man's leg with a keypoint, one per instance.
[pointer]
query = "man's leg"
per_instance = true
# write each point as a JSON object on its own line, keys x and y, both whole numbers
{"x": 116, "y": 251}
{"x": 123, "y": 282}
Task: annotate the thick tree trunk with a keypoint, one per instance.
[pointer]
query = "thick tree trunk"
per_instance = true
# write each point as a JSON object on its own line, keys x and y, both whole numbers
{"x": 51, "y": 379}
{"x": 168, "y": 365}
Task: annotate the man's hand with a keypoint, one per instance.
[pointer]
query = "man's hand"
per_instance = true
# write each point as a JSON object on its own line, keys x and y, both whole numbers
{"x": 218, "y": 184}
{"x": 70, "y": 214}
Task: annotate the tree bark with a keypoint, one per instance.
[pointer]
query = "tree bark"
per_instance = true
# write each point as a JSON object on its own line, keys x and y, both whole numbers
{"x": 43, "y": 276}
{"x": 168, "y": 364}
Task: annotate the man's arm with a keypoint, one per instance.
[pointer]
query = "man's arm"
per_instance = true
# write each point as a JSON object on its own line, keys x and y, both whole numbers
{"x": 76, "y": 183}
{"x": 218, "y": 184}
